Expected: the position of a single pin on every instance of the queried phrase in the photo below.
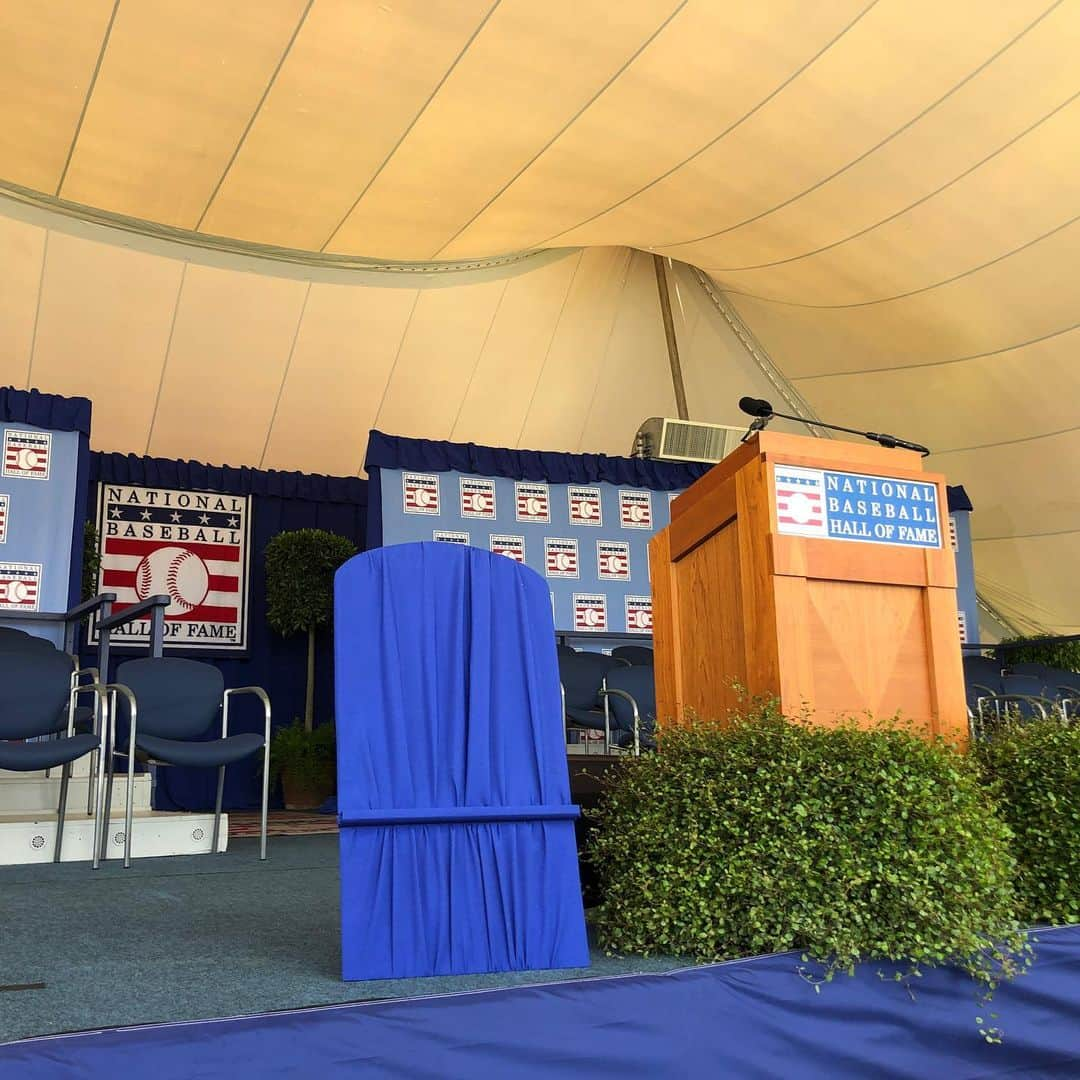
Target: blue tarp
(747, 1020)
(457, 834)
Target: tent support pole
(669, 332)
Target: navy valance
(430, 455)
(195, 476)
(49, 411)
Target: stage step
(30, 838)
(33, 793)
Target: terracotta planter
(305, 793)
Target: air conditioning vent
(666, 439)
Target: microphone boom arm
(891, 442)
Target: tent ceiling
(885, 190)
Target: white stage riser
(31, 793)
(26, 840)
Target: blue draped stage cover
(457, 834)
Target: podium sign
(853, 506)
(813, 571)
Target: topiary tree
(91, 560)
(300, 569)
(766, 834)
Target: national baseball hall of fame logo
(191, 546)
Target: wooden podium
(819, 572)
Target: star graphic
(233, 522)
(204, 519)
(145, 515)
(175, 515)
(114, 512)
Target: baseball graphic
(423, 498)
(800, 508)
(27, 458)
(532, 506)
(636, 512)
(16, 592)
(481, 502)
(562, 561)
(177, 573)
(592, 617)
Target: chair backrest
(982, 669)
(34, 689)
(638, 655)
(565, 650)
(1032, 685)
(639, 683)
(12, 639)
(1025, 667)
(581, 676)
(1057, 681)
(177, 699)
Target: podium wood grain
(839, 628)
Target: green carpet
(193, 937)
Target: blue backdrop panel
(392, 520)
(457, 833)
(746, 1019)
(45, 509)
(280, 501)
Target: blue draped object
(457, 833)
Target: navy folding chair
(167, 706)
(581, 676)
(630, 697)
(982, 669)
(636, 655)
(36, 695)
(81, 717)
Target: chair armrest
(606, 693)
(125, 691)
(99, 692)
(1040, 703)
(259, 692)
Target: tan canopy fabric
(881, 195)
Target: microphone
(762, 411)
(755, 406)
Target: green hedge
(1056, 654)
(768, 834)
(1033, 772)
